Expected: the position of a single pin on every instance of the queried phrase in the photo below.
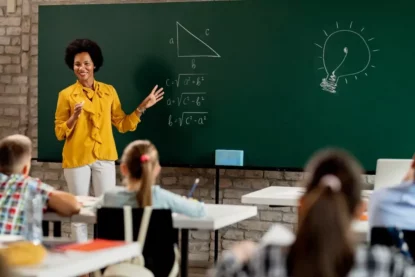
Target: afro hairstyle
(84, 45)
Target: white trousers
(78, 179)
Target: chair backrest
(390, 172)
(158, 250)
(383, 236)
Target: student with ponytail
(324, 245)
(140, 168)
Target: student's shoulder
(117, 190)
(158, 192)
(383, 194)
(37, 182)
(12, 180)
(156, 189)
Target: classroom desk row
(218, 216)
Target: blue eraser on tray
(229, 157)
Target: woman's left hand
(154, 97)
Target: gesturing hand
(154, 97)
(78, 110)
(74, 117)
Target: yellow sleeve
(62, 114)
(119, 119)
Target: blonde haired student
(140, 167)
(324, 245)
(15, 162)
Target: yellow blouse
(91, 137)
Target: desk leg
(217, 202)
(45, 228)
(184, 255)
(57, 229)
(95, 231)
(216, 245)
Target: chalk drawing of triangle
(190, 46)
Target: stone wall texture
(18, 114)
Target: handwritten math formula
(187, 99)
(187, 79)
(189, 92)
(188, 118)
(190, 97)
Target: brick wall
(18, 114)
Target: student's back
(324, 245)
(140, 168)
(14, 191)
(161, 199)
(15, 159)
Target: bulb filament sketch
(341, 47)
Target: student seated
(15, 161)
(324, 245)
(395, 206)
(140, 168)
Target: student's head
(84, 57)
(15, 155)
(140, 167)
(324, 244)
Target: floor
(199, 269)
(197, 272)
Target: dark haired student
(84, 116)
(324, 245)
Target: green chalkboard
(278, 79)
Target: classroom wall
(18, 114)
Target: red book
(93, 245)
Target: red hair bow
(144, 158)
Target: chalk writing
(183, 35)
(188, 98)
(188, 118)
(337, 71)
(187, 79)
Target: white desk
(75, 263)
(280, 196)
(274, 196)
(289, 196)
(218, 216)
(361, 230)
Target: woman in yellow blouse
(84, 117)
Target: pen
(193, 188)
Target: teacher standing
(84, 116)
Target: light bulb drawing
(336, 70)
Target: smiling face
(83, 68)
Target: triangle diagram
(190, 46)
